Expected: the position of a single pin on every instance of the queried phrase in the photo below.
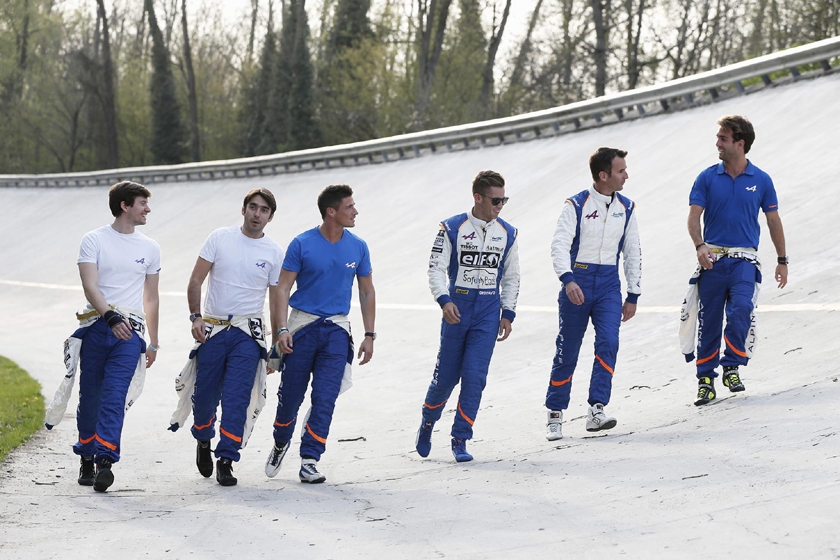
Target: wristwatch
(371, 334)
(783, 260)
(194, 316)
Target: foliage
(21, 406)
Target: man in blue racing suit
(474, 276)
(594, 228)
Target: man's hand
(365, 350)
(574, 293)
(198, 330)
(451, 314)
(781, 275)
(705, 257)
(151, 356)
(628, 311)
(505, 327)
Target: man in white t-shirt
(120, 270)
(231, 351)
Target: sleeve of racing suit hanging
(510, 282)
(439, 267)
(633, 260)
(561, 243)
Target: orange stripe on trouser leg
(559, 383)
(85, 441)
(603, 363)
(740, 353)
(707, 358)
(469, 420)
(110, 446)
(230, 435)
(313, 434)
(279, 425)
(207, 425)
(434, 405)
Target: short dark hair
(602, 160)
(125, 191)
(331, 197)
(740, 128)
(266, 194)
(485, 180)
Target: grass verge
(21, 406)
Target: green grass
(21, 406)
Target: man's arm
(704, 254)
(777, 235)
(509, 285)
(90, 285)
(439, 276)
(632, 268)
(151, 306)
(281, 309)
(561, 246)
(367, 299)
(200, 271)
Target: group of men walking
(473, 275)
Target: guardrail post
(619, 113)
(466, 143)
(794, 71)
(689, 98)
(825, 65)
(766, 79)
(714, 93)
(385, 155)
(501, 138)
(740, 87)
(448, 145)
(416, 149)
(641, 109)
(664, 104)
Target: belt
(213, 321)
(734, 252)
(89, 314)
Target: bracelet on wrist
(696, 247)
(783, 260)
(152, 348)
(282, 330)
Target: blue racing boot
(459, 450)
(423, 443)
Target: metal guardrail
(682, 93)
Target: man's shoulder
(756, 171)
(579, 199)
(627, 202)
(454, 222)
(510, 228)
(306, 235)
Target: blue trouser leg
(739, 308)
(327, 373)
(573, 322)
(447, 370)
(107, 367)
(478, 349)
(711, 288)
(294, 381)
(243, 355)
(606, 319)
(209, 373)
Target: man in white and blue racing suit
(474, 276)
(594, 228)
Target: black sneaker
(104, 477)
(224, 472)
(203, 459)
(732, 380)
(87, 471)
(705, 391)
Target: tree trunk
(109, 106)
(193, 98)
(634, 33)
(431, 44)
(600, 10)
(255, 6)
(487, 81)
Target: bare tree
(193, 98)
(487, 81)
(431, 27)
(600, 19)
(108, 97)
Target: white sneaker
(596, 420)
(309, 472)
(275, 458)
(554, 427)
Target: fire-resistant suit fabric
(475, 265)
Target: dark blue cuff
(173, 427)
(567, 277)
(444, 299)
(509, 314)
(689, 357)
(632, 298)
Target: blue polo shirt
(730, 218)
(325, 271)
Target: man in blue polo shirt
(728, 196)
(316, 337)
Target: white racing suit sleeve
(439, 265)
(510, 281)
(561, 243)
(688, 320)
(633, 257)
(56, 409)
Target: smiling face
(728, 149)
(257, 214)
(484, 209)
(136, 213)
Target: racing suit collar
(600, 197)
(480, 223)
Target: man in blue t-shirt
(728, 196)
(316, 337)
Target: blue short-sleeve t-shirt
(730, 216)
(325, 271)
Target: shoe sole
(463, 459)
(104, 479)
(608, 425)
(271, 470)
(553, 438)
(227, 482)
(316, 481)
(204, 467)
(736, 389)
(701, 402)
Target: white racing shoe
(596, 420)
(554, 426)
(309, 472)
(275, 459)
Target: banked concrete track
(755, 475)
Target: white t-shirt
(122, 260)
(243, 268)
